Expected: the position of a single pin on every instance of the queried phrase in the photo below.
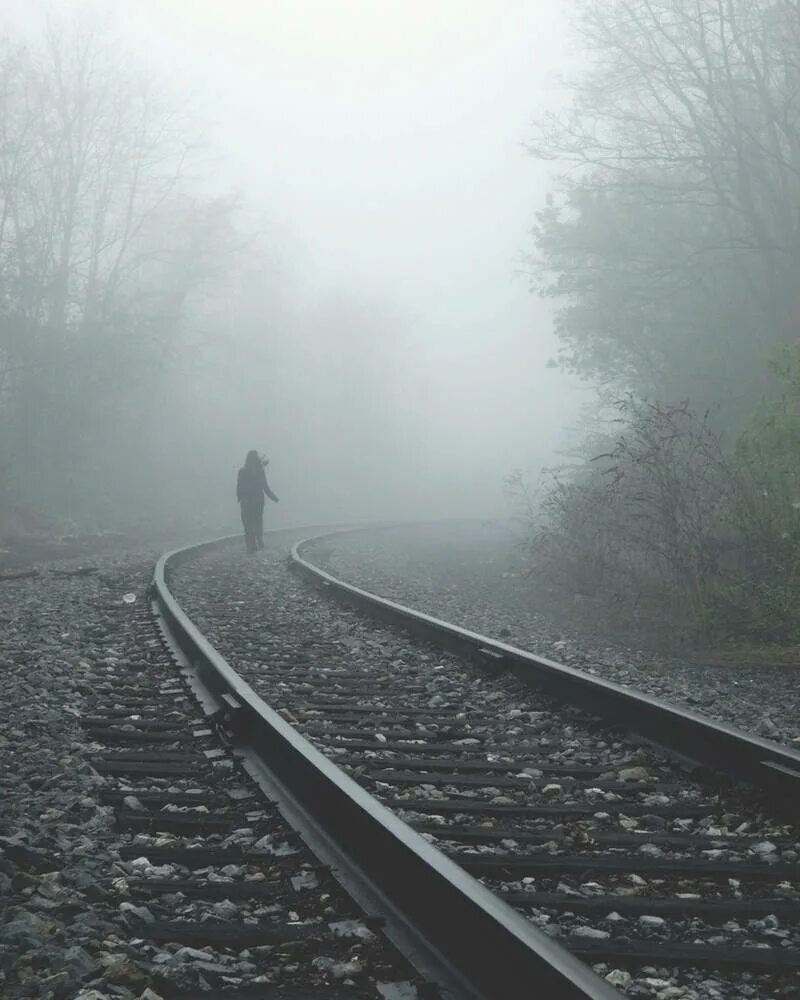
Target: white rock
(344, 970)
(633, 774)
(764, 847)
(590, 932)
(225, 909)
(651, 850)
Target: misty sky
(381, 143)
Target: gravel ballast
(59, 930)
(75, 921)
(472, 574)
(271, 626)
(63, 933)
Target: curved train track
(381, 818)
(218, 886)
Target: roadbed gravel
(68, 927)
(473, 574)
(60, 933)
(266, 622)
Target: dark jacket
(251, 485)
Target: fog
(380, 342)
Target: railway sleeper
(149, 768)
(134, 736)
(400, 777)
(206, 857)
(560, 864)
(711, 911)
(115, 721)
(229, 935)
(742, 957)
(202, 889)
(179, 822)
(481, 835)
(399, 733)
(189, 797)
(444, 807)
(458, 764)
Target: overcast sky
(383, 142)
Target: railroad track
(462, 941)
(218, 892)
(647, 865)
(370, 816)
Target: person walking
(251, 486)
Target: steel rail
(772, 770)
(452, 929)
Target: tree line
(671, 247)
(105, 249)
(153, 328)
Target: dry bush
(672, 533)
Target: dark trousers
(253, 521)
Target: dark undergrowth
(666, 532)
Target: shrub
(672, 531)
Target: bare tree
(677, 230)
(101, 246)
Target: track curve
(765, 765)
(449, 925)
(569, 820)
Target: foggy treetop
(355, 309)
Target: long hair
(252, 463)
